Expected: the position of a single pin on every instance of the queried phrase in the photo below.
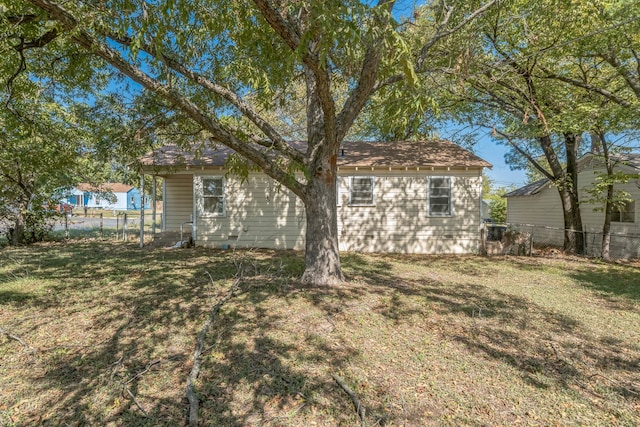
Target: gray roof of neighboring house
(352, 153)
(631, 159)
(529, 189)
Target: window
(361, 190)
(626, 213)
(439, 196)
(213, 196)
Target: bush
(38, 225)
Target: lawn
(103, 333)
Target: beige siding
(542, 209)
(259, 213)
(545, 209)
(178, 200)
(593, 220)
(398, 222)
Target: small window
(361, 190)
(213, 196)
(439, 196)
(626, 213)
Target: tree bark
(571, 142)
(17, 234)
(608, 206)
(567, 184)
(606, 227)
(322, 257)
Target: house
(539, 204)
(113, 196)
(409, 197)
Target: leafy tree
(506, 80)
(39, 155)
(221, 64)
(603, 193)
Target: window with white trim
(440, 196)
(626, 213)
(361, 190)
(213, 201)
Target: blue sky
(501, 174)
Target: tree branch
(111, 56)
(360, 410)
(525, 154)
(277, 141)
(366, 82)
(322, 84)
(632, 81)
(442, 33)
(197, 354)
(588, 86)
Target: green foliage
(498, 209)
(598, 191)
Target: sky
(501, 174)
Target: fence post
(66, 226)
(124, 227)
(531, 241)
(101, 226)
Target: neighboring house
(539, 204)
(411, 197)
(113, 196)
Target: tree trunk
(608, 205)
(606, 227)
(322, 257)
(17, 234)
(566, 182)
(571, 142)
(573, 235)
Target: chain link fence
(528, 239)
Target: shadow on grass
(149, 306)
(549, 348)
(611, 281)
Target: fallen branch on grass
(16, 338)
(192, 396)
(356, 402)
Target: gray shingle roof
(630, 159)
(529, 189)
(352, 153)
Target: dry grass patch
(108, 332)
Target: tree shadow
(272, 349)
(612, 282)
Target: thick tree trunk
(567, 183)
(322, 257)
(574, 228)
(573, 235)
